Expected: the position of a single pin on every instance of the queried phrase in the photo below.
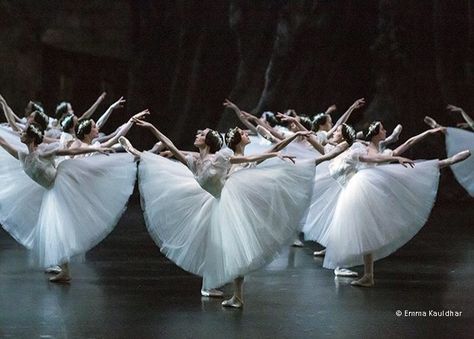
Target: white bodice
(346, 164)
(211, 172)
(39, 168)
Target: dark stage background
(181, 59)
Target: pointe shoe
(297, 243)
(233, 302)
(61, 278)
(53, 270)
(458, 157)
(321, 253)
(431, 122)
(128, 147)
(365, 281)
(212, 293)
(344, 272)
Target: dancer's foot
(53, 270)
(458, 157)
(431, 122)
(366, 281)
(344, 272)
(297, 243)
(321, 253)
(61, 278)
(213, 293)
(129, 148)
(234, 302)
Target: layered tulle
(458, 140)
(20, 200)
(85, 203)
(380, 209)
(222, 238)
(323, 203)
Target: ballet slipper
(233, 302)
(458, 157)
(366, 281)
(61, 278)
(344, 272)
(321, 253)
(297, 243)
(212, 293)
(53, 270)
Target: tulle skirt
(323, 203)
(20, 200)
(84, 204)
(458, 140)
(220, 239)
(258, 145)
(379, 210)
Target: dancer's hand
(358, 103)
(405, 162)
(454, 109)
(462, 125)
(118, 104)
(102, 96)
(140, 115)
(331, 109)
(143, 123)
(287, 157)
(229, 104)
(287, 118)
(166, 154)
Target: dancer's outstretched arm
(382, 158)
(227, 103)
(466, 117)
(258, 157)
(333, 153)
(282, 144)
(168, 143)
(9, 148)
(417, 138)
(310, 137)
(87, 114)
(9, 115)
(77, 151)
(103, 119)
(357, 104)
(125, 128)
(263, 124)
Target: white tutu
(20, 200)
(323, 203)
(258, 145)
(222, 238)
(458, 140)
(84, 205)
(75, 213)
(379, 209)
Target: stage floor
(127, 289)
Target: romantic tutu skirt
(221, 238)
(378, 210)
(82, 206)
(458, 140)
(323, 203)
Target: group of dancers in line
(227, 209)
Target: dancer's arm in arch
(357, 104)
(87, 114)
